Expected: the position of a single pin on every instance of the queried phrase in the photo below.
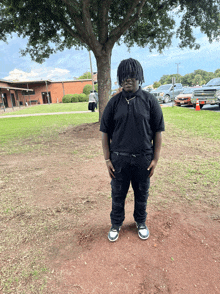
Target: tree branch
(81, 32)
(86, 17)
(127, 22)
(72, 33)
(69, 4)
(103, 20)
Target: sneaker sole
(114, 239)
(144, 238)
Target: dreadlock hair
(130, 68)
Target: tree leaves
(98, 24)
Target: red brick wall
(3, 84)
(56, 89)
(5, 91)
(59, 89)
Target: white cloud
(39, 73)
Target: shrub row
(70, 98)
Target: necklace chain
(129, 99)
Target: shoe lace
(142, 227)
(114, 230)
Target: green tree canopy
(167, 79)
(86, 75)
(217, 72)
(87, 89)
(97, 25)
(198, 77)
(197, 80)
(156, 85)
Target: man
(97, 98)
(92, 101)
(131, 128)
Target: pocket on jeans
(148, 158)
(116, 162)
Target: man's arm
(157, 143)
(106, 152)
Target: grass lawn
(48, 108)
(13, 130)
(37, 128)
(195, 123)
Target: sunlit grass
(49, 108)
(198, 123)
(15, 129)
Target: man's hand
(110, 169)
(151, 167)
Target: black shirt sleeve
(107, 122)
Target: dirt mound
(85, 131)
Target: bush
(67, 98)
(82, 98)
(75, 98)
(87, 89)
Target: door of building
(5, 100)
(13, 99)
(46, 97)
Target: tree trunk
(104, 80)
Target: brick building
(38, 92)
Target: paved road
(39, 114)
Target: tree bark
(104, 80)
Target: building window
(25, 93)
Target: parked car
(185, 97)
(147, 89)
(168, 92)
(208, 94)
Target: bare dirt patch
(55, 219)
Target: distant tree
(197, 80)
(86, 75)
(217, 73)
(186, 80)
(167, 79)
(87, 89)
(163, 80)
(156, 85)
(198, 77)
(54, 25)
(207, 76)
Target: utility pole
(91, 70)
(177, 67)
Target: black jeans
(130, 169)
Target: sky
(70, 64)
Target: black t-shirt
(131, 125)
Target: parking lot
(205, 107)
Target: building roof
(4, 81)
(29, 82)
(43, 81)
(14, 88)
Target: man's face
(130, 85)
